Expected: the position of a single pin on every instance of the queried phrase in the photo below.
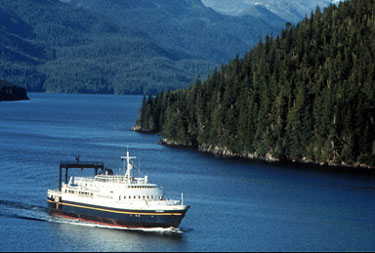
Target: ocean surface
(236, 205)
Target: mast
(129, 166)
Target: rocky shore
(226, 153)
(220, 151)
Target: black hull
(116, 217)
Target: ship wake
(13, 209)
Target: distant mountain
(119, 46)
(185, 27)
(290, 10)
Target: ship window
(124, 197)
(139, 197)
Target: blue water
(235, 205)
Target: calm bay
(236, 205)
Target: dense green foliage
(9, 92)
(112, 46)
(306, 95)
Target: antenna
(129, 165)
(139, 167)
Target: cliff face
(11, 92)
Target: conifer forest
(307, 94)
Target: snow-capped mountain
(290, 10)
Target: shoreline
(223, 152)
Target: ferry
(114, 200)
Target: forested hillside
(306, 95)
(122, 47)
